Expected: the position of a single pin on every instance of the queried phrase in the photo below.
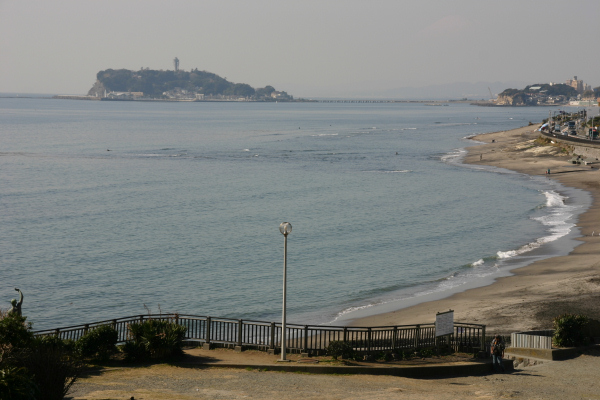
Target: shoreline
(531, 296)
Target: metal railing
(312, 339)
(573, 139)
(533, 339)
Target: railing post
(417, 336)
(208, 323)
(57, 332)
(86, 328)
(482, 338)
(345, 334)
(369, 341)
(272, 344)
(394, 338)
(306, 338)
(206, 345)
(240, 332)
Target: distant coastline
(321, 100)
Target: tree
(241, 89)
(265, 92)
(588, 94)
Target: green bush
(54, 365)
(17, 384)
(41, 368)
(154, 339)
(339, 348)
(134, 351)
(428, 352)
(99, 343)
(569, 330)
(15, 334)
(385, 356)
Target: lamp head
(285, 228)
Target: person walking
(497, 350)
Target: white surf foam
(454, 156)
(557, 220)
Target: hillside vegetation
(549, 90)
(155, 83)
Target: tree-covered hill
(538, 94)
(559, 89)
(155, 83)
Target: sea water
(110, 209)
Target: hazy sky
(307, 48)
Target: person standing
(497, 350)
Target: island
(537, 94)
(573, 92)
(147, 84)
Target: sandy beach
(535, 294)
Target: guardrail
(311, 339)
(572, 139)
(533, 339)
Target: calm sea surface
(109, 206)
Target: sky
(323, 48)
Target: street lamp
(285, 228)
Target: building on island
(280, 95)
(578, 85)
(124, 95)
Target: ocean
(111, 209)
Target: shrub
(134, 351)
(385, 356)
(338, 348)
(445, 350)
(154, 339)
(17, 384)
(15, 334)
(42, 368)
(428, 352)
(99, 343)
(54, 366)
(569, 330)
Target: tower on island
(176, 63)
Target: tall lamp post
(285, 228)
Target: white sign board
(444, 323)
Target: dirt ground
(572, 379)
